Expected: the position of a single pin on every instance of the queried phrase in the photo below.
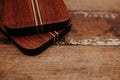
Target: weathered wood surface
(90, 25)
(71, 62)
(61, 63)
(93, 5)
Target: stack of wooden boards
(34, 25)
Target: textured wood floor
(93, 5)
(69, 62)
(61, 63)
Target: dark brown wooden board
(1, 11)
(36, 43)
(19, 17)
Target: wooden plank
(93, 5)
(91, 25)
(94, 25)
(61, 63)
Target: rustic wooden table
(92, 55)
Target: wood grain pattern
(19, 17)
(90, 26)
(53, 11)
(93, 5)
(61, 63)
(1, 12)
(68, 62)
(36, 43)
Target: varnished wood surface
(1, 12)
(1, 8)
(20, 17)
(53, 11)
(19, 13)
(36, 43)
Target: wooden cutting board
(36, 43)
(23, 17)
